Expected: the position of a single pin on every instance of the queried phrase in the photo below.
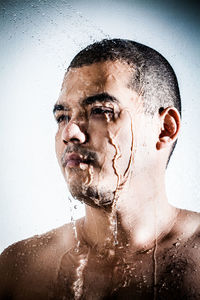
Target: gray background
(38, 40)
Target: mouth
(75, 160)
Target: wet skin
(96, 102)
(44, 267)
(113, 157)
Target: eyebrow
(103, 97)
(58, 107)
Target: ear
(169, 127)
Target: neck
(142, 217)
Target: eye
(61, 118)
(101, 111)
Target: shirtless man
(118, 118)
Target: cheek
(125, 143)
(98, 133)
(59, 145)
(121, 142)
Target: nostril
(74, 140)
(86, 138)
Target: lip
(73, 160)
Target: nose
(73, 133)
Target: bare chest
(146, 276)
(85, 274)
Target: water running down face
(95, 112)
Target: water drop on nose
(176, 244)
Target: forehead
(102, 77)
(101, 71)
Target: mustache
(88, 155)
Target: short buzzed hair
(152, 77)
(152, 74)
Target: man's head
(119, 105)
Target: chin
(92, 195)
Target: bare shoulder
(190, 254)
(188, 245)
(34, 258)
(49, 241)
(190, 222)
(193, 244)
(189, 228)
(184, 245)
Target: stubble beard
(92, 195)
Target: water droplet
(176, 244)
(72, 217)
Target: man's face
(100, 126)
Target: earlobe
(169, 129)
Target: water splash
(73, 221)
(121, 179)
(77, 258)
(113, 217)
(90, 176)
(126, 174)
(70, 278)
(82, 258)
(78, 284)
